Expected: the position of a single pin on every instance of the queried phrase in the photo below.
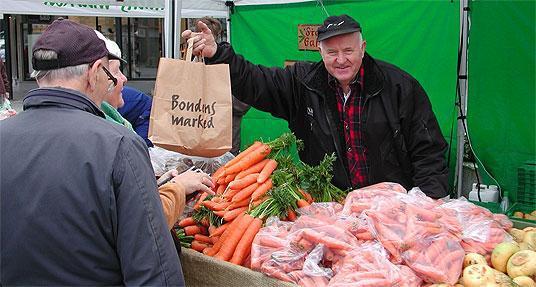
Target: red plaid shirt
(350, 114)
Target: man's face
(114, 97)
(342, 56)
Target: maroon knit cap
(74, 43)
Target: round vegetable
(473, 258)
(501, 253)
(524, 281)
(517, 234)
(522, 263)
(478, 275)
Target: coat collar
(62, 98)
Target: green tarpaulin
(422, 37)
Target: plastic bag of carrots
(269, 239)
(436, 259)
(361, 199)
(368, 265)
(481, 230)
(400, 221)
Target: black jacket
(402, 136)
(79, 202)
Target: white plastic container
(487, 193)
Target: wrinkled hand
(204, 43)
(195, 181)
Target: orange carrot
(241, 203)
(245, 193)
(230, 178)
(202, 238)
(192, 229)
(252, 158)
(219, 230)
(243, 248)
(291, 215)
(221, 189)
(218, 173)
(198, 203)
(211, 229)
(241, 155)
(242, 183)
(216, 199)
(232, 226)
(329, 242)
(271, 241)
(258, 201)
(221, 180)
(306, 195)
(256, 168)
(222, 205)
(302, 203)
(232, 214)
(220, 213)
(209, 204)
(214, 239)
(198, 246)
(186, 222)
(262, 190)
(232, 240)
(267, 171)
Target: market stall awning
(112, 8)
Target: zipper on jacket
(337, 146)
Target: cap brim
(114, 57)
(333, 33)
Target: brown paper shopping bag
(192, 108)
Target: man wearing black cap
(78, 194)
(375, 117)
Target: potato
(526, 246)
(517, 234)
(524, 281)
(501, 253)
(530, 217)
(502, 279)
(522, 263)
(473, 258)
(478, 275)
(530, 239)
(533, 213)
(519, 214)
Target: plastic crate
(526, 185)
(523, 208)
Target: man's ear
(93, 74)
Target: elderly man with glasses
(79, 200)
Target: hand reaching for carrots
(195, 181)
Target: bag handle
(189, 51)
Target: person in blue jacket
(137, 110)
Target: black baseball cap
(74, 43)
(337, 25)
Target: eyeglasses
(110, 76)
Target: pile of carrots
(233, 219)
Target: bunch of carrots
(243, 193)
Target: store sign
(307, 37)
(123, 8)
